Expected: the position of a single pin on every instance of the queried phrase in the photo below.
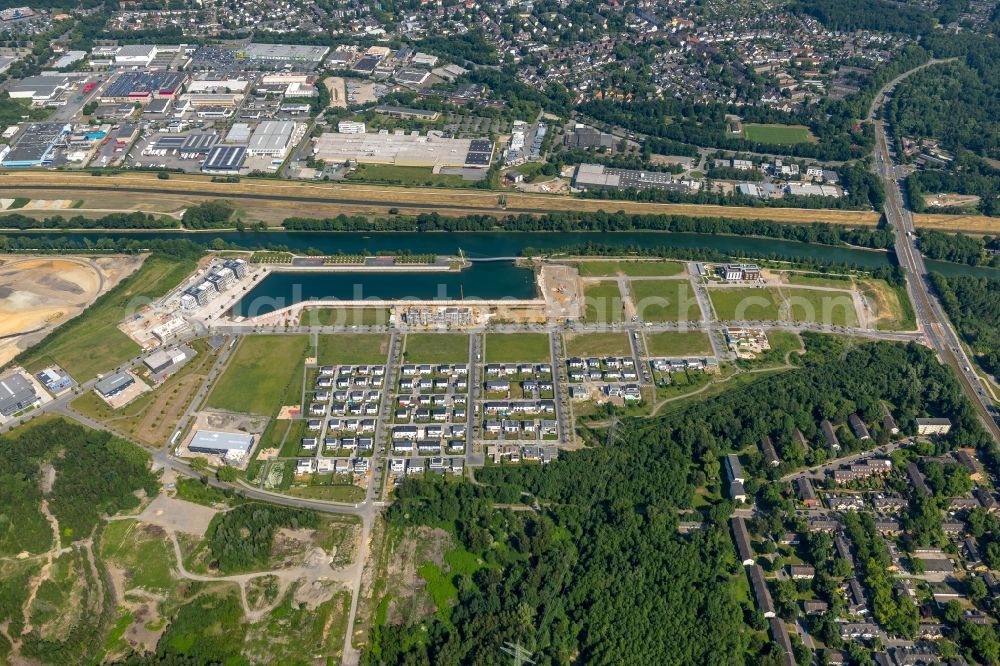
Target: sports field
(517, 348)
(352, 348)
(437, 348)
(777, 134)
(773, 304)
(91, 343)
(665, 300)
(597, 344)
(685, 343)
(263, 372)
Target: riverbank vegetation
(959, 248)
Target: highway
(931, 319)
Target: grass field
(772, 304)
(405, 175)
(665, 300)
(981, 224)
(437, 348)
(777, 134)
(345, 317)
(340, 492)
(597, 344)
(892, 305)
(142, 550)
(604, 302)
(261, 374)
(282, 202)
(517, 347)
(352, 348)
(687, 343)
(630, 268)
(91, 343)
(817, 280)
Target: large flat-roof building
(142, 87)
(403, 149)
(36, 146)
(312, 55)
(40, 89)
(225, 160)
(272, 138)
(114, 384)
(16, 394)
(135, 55)
(221, 443)
(600, 177)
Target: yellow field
(375, 198)
(973, 224)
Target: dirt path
(43, 574)
(315, 569)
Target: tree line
(973, 304)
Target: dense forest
(959, 248)
(241, 539)
(816, 232)
(208, 215)
(881, 15)
(968, 174)
(597, 573)
(973, 304)
(95, 473)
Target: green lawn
(352, 348)
(517, 347)
(665, 300)
(598, 344)
(630, 268)
(265, 371)
(782, 342)
(341, 492)
(345, 317)
(777, 134)
(604, 302)
(798, 305)
(91, 343)
(405, 175)
(437, 348)
(686, 343)
(818, 280)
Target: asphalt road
(931, 319)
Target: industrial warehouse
(401, 149)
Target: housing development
(592, 332)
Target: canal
(483, 280)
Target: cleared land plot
(630, 268)
(665, 300)
(782, 343)
(92, 343)
(598, 344)
(796, 305)
(604, 302)
(517, 347)
(687, 343)
(260, 374)
(152, 416)
(893, 309)
(345, 317)
(142, 551)
(437, 348)
(352, 348)
(778, 134)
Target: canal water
(484, 279)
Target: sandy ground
(338, 92)
(177, 515)
(39, 293)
